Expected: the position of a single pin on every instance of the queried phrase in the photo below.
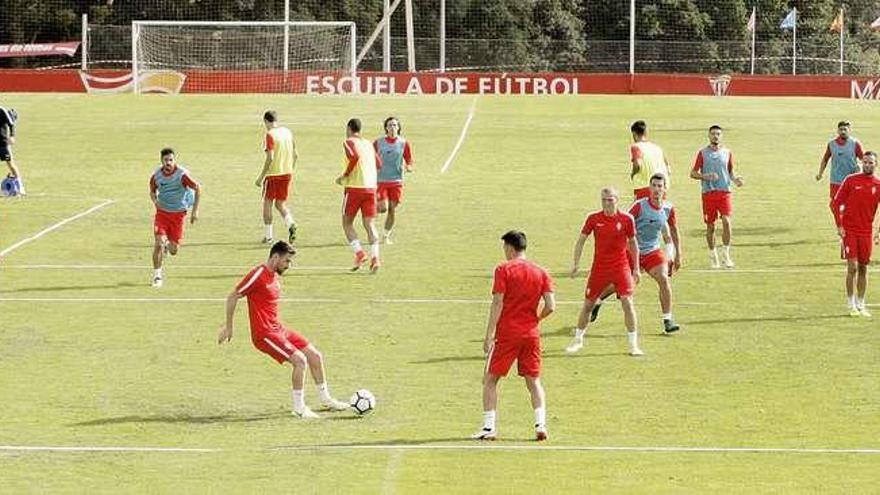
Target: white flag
(790, 19)
(876, 24)
(751, 24)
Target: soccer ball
(362, 401)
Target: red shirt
(523, 283)
(612, 233)
(858, 196)
(262, 288)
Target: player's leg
(316, 367)
(861, 288)
(852, 268)
(368, 216)
(267, 219)
(490, 403)
(710, 213)
(594, 313)
(536, 392)
(298, 383)
(389, 220)
(350, 208)
(284, 211)
(580, 331)
(631, 321)
(726, 228)
(158, 252)
(529, 366)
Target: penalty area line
(467, 124)
(582, 448)
(86, 449)
(54, 227)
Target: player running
(652, 216)
(855, 205)
(647, 159)
(513, 332)
(844, 152)
(616, 245)
(396, 155)
(262, 287)
(8, 117)
(359, 180)
(168, 191)
(277, 174)
(714, 168)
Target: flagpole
(841, 40)
(754, 28)
(794, 44)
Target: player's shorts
(834, 188)
(392, 191)
(363, 200)
(525, 351)
(170, 224)
(715, 204)
(279, 344)
(858, 247)
(5, 153)
(651, 260)
(276, 187)
(600, 279)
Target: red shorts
(858, 247)
(599, 280)
(392, 191)
(715, 204)
(834, 188)
(280, 344)
(276, 187)
(169, 224)
(649, 261)
(359, 199)
(525, 351)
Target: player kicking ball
(262, 287)
(513, 332)
(169, 190)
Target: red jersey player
(262, 288)
(616, 245)
(513, 332)
(855, 206)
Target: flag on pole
(837, 23)
(790, 19)
(751, 24)
(876, 24)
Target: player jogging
(713, 167)
(8, 117)
(513, 331)
(277, 174)
(653, 215)
(168, 191)
(844, 152)
(647, 159)
(359, 180)
(855, 205)
(616, 245)
(396, 156)
(262, 287)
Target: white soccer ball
(362, 401)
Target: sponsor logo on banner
(39, 49)
(869, 91)
(409, 84)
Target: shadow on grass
(760, 320)
(184, 418)
(58, 288)
(450, 359)
(403, 442)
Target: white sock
(850, 301)
(725, 251)
(299, 400)
(579, 333)
(288, 219)
(374, 249)
(356, 246)
(667, 316)
(860, 304)
(633, 338)
(323, 391)
(269, 231)
(157, 273)
(388, 233)
(488, 420)
(540, 417)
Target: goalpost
(242, 57)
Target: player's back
(652, 161)
(523, 285)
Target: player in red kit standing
(855, 206)
(615, 264)
(513, 332)
(262, 288)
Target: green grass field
(92, 356)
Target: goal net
(243, 57)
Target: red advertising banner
(39, 49)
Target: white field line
(473, 447)
(467, 124)
(54, 227)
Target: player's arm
(231, 302)
(668, 166)
(408, 158)
(737, 179)
(824, 162)
(632, 246)
(494, 315)
(266, 164)
(578, 252)
(672, 224)
(549, 305)
(154, 189)
(838, 201)
(197, 189)
(697, 170)
(352, 157)
(9, 123)
(295, 154)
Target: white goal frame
(353, 55)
